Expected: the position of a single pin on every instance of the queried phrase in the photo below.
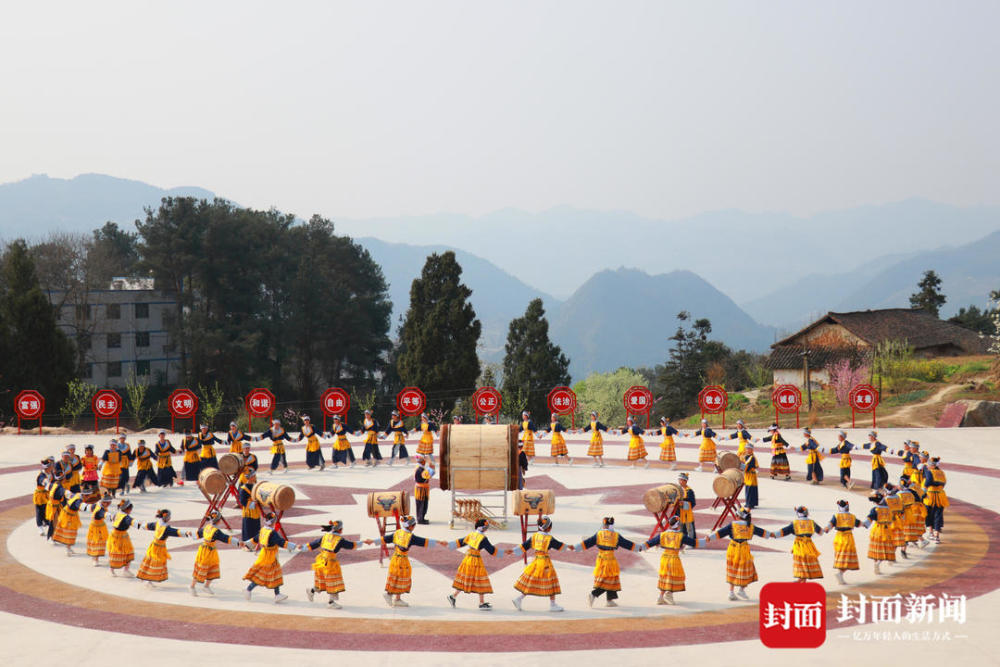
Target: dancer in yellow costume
(607, 573)
(845, 553)
(342, 452)
(120, 551)
(398, 431)
(843, 447)
(69, 523)
(668, 449)
(165, 473)
(558, 447)
(740, 570)
(671, 573)
(472, 576)
(636, 446)
(206, 561)
(527, 428)
(706, 451)
(427, 429)
(741, 435)
(914, 512)
(314, 453)
(539, 577)
(895, 503)
(369, 426)
(97, 532)
(236, 437)
(111, 468)
(936, 499)
(805, 555)
(154, 566)
(596, 448)
(266, 570)
(881, 546)
(400, 573)
(277, 435)
(327, 575)
(779, 453)
(40, 497)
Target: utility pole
(805, 373)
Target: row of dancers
(902, 514)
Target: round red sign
(638, 400)
(562, 400)
(411, 401)
(786, 398)
(863, 398)
(106, 404)
(182, 403)
(335, 401)
(29, 404)
(260, 402)
(713, 399)
(487, 400)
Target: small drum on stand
(211, 482)
(278, 497)
(388, 503)
(728, 483)
(727, 461)
(663, 502)
(230, 464)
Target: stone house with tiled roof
(855, 335)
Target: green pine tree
(532, 365)
(929, 297)
(439, 335)
(36, 354)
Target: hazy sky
(381, 108)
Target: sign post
(562, 401)
(335, 401)
(712, 400)
(29, 404)
(787, 399)
(106, 404)
(863, 398)
(638, 400)
(260, 402)
(410, 401)
(183, 404)
(487, 401)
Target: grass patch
(903, 399)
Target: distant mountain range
(968, 274)
(37, 205)
(781, 269)
(746, 255)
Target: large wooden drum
(211, 481)
(230, 464)
(658, 499)
(279, 497)
(727, 483)
(480, 456)
(725, 461)
(382, 503)
(534, 502)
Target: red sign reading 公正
(182, 404)
(106, 404)
(863, 398)
(713, 400)
(29, 404)
(786, 399)
(792, 615)
(487, 401)
(411, 401)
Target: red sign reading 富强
(29, 404)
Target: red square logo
(793, 615)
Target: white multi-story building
(120, 330)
